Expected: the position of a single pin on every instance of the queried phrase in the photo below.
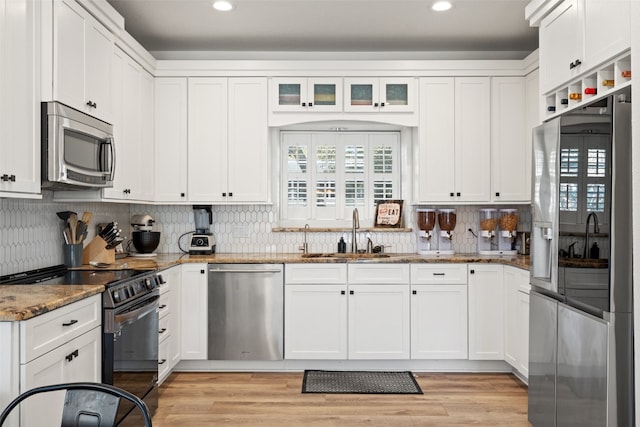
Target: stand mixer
(202, 241)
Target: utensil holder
(97, 251)
(72, 255)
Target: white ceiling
(373, 26)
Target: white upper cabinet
(579, 35)
(510, 142)
(170, 124)
(19, 99)
(227, 140)
(386, 95)
(82, 51)
(455, 139)
(302, 94)
(133, 130)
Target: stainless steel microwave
(78, 150)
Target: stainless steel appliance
(246, 312)
(77, 150)
(202, 241)
(129, 323)
(581, 314)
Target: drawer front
(50, 330)
(164, 308)
(163, 328)
(439, 274)
(321, 273)
(163, 361)
(384, 274)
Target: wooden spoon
(73, 223)
(87, 217)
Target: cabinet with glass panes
(291, 94)
(387, 95)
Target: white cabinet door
(437, 139)
(560, 45)
(523, 325)
(379, 95)
(19, 98)
(133, 130)
(82, 49)
(472, 139)
(438, 321)
(511, 317)
(173, 279)
(486, 312)
(315, 322)
(194, 312)
(207, 139)
(455, 143)
(170, 130)
(379, 317)
(607, 29)
(79, 360)
(312, 95)
(248, 160)
(510, 144)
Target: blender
(487, 244)
(508, 225)
(426, 223)
(446, 222)
(202, 241)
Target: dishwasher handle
(275, 270)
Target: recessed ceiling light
(222, 5)
(441, 6)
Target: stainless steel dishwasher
(246, 313)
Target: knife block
(97, 251)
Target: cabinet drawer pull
(163, 306)
(438, 274)
(71, 322)
(71, 355)
(162, 331)
(162, 362)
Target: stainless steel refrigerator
(581, 309)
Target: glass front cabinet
(302, 94)
(397, 94)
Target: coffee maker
(202, 241)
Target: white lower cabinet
(169, 314)
(75, 361)
(330, 317)
(193, 312)
(486, 312)
(63, 345)
(516, 325)
(439, 311)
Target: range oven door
(131, 355)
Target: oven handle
(139, 313)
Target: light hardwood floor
(275, 399)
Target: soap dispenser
(594, 253)
(342, 246)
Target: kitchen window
(584, 178)
(328, 174)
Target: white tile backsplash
(31, 232)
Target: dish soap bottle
(342, 246)
(594, 253)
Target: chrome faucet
(355, 225)
(369, 244)
(596, 230)
(305, 246)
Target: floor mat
(361, 382)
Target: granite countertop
(21, 302)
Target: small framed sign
(388, 214)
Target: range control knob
(116, 296)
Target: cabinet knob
(304, 104)
(342, 292)
(201, 271)
(12, 178)
(4, 177)
(230, 194)
(311, 104)
(472, 272)
(414, 292)
(375, 104)
(458, 194)
(451, 194)
(382, 104)
(351, 292)
(224, 194)
(182, 194)
(497, 194)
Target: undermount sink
(346, 256)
